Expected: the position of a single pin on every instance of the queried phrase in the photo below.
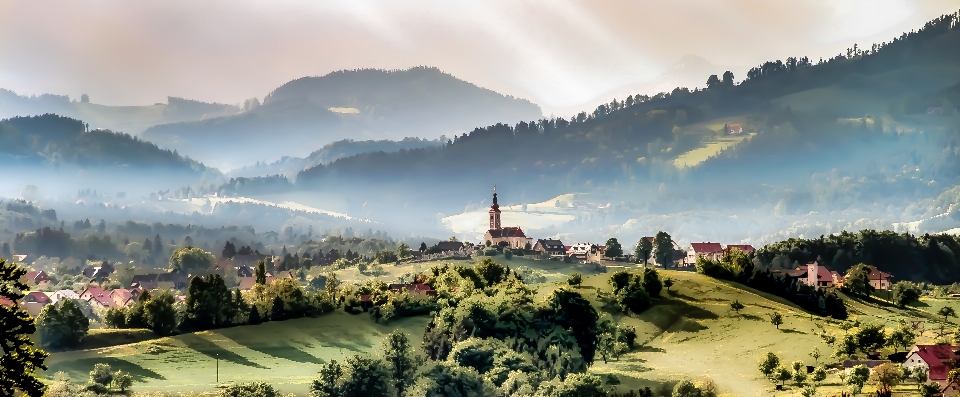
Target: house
(414, 289)
(745, 248)
(952, 389)
(247, 283)
(734, 129)
(123, 297)
(553, 248)
(24, 258)
(878, 279)
(819, 276)
(934, 359)
(36, 278)
(579, 250)
(707, 250)
(510, 236)
(63, 294)
(871, 364)
(37, 297)
(449, 246)
(92, 291)
(101, 300)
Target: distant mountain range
(364, 104)
(290, 166)
(128, 119)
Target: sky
(564, 55)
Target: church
(511, 235)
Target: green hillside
(691, 333)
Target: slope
(358, 104)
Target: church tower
(495, 212)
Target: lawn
(711, 147)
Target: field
(712, 147)
(692, 333)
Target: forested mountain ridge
(356, 104)
(57, 140)
(129, 119)
(290, 166)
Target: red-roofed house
(819, 276)
(879, 280)
(706, 250)
(934, 359)
(247, 283)
(37, 297)
(124, 297)
(36, 278)
(102, 300)
(92, 291)
(952, 389)
(745, 248)
(414, 289)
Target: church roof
(509, 231)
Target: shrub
(255, 389)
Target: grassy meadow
(690, 334)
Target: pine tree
(261, 273)
(158, 245)
(254, 318)
(148, 245)
(277, 313)
(21, 360)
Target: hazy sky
(563, 55)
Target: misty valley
(794, 231)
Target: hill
(131, 119)
(59, 154)
(357, 104)
(691, 333)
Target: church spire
(495, 212)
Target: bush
(634, 299)
(255, 389)
(905, 292)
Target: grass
(712, 147)
(286, 354)
(691, 333)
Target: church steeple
(495, 212)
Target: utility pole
(217, 355)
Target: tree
(819, 374)
(101, 375)
(768, 364)
(62, 324)
(365, 377)
(445, 379)
(799, 373)
(946, 312)
(491, 272)
(663, 249)
(20, 360)
(261, 273)
(713, 81)
(254, 317)
(229, 250)
(277, 311)
(650, 282)
(668, 282)
(643, 249)
(404, 251)
(208, 303)
(727, 79)
(902, 337)
(327, 382)
(929, 389)
(160, 314)
(189, 260)
(887, 375)
(857, 280)
(857, 378)
(157, 245)
(736, 306)
(575, 280)
(782, 375)
(871, 337)
(815, 354)
(121, 381)
(776, 319)
(904, 293)
(423, 247)
(397, 352)
(685, 388)
(613, 248)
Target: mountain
(130, 119)
(358, 104)
(290, 166)
(862, 140)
